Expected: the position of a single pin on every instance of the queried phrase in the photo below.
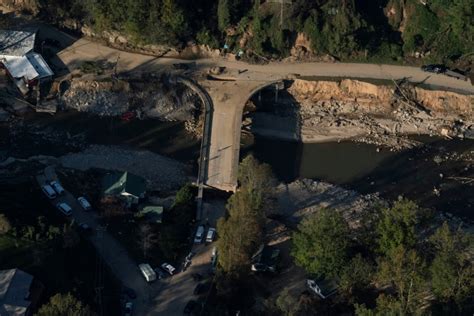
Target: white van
(147, 272)
(199, 235)
(49, 191)
(211, 234)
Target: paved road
(114, 255)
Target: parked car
(84, 203)
(49, 191)
(64, 208)
(147, 272)
(57, 187)
(129, 292)
(190, 307)
(128, 309)
(437, 69)
(199, 235)
(168, 268)
(211, 234)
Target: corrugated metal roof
(16, 43)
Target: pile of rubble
(150, 99)
(384, 115)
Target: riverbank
(380, 114)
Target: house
(19, 293)
(323, 287)
(152, 213)
(127, 186)
(23, 64)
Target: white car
(57, 187)
(64, 208)
(49, 191)
(84, 203)
(211, 234)
(128, 309)
(168, 268)
(199, 235)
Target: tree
(406, 272)
(397, 226)
(70, 236)
(184, 196)
(223, 15)
(241, 232)
(64, 304)
(5, 225)
(287, 303)
(452, 271)
(173, 17)
(321, 243)
(357, 275)
(147, 239)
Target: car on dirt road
(57, 187)
(211, 234)
(84, 203)
(64, 208)
(49, 191)
(168, 268)
(199, 235)
(437, 69)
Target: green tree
(184, 196)
(287, 303)
(240, 233)
(223, 15)
(64, 304)
(355, 276)
(406, 272)
(321, 243)
(5, 225)
(397, 226)
(452, 271)
(173, 17)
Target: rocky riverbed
(381, 114)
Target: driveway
(116, 257)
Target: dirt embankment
(381, 114)
(144, 98)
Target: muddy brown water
(414, 173)
(442, 165)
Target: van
(147, 272)
(49, 191)
(199, 235)
(211, 234)
(64, 208)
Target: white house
(23, 64)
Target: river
(433, 174)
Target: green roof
(117, 183)
(152, 213)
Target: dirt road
(85, 50)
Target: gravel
(161, 173)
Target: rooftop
(14, 292)
(16, 43)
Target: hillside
(414, 31)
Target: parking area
(167, 296)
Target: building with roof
(323, 287)
(18, 292)
(17, 55)
(127, 186)
(152, 213)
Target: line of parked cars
(54, 189)
(211, 235)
